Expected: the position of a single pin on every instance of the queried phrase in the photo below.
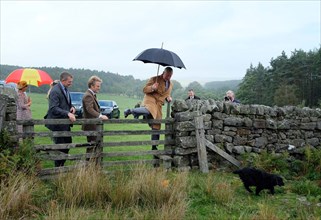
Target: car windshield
(76, 97)
(106, 103)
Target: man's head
(66, 79)
(167, 74)
(191, 92)
(230, 95)
(94, 83)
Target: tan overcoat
(154, 100)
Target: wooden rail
(50, 152)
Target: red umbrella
(31, 76)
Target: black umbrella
(160, 56)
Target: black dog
(260, 179)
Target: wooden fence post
(168, 110)
(29, 130)
(168, 127)
(201, 148)
(99, 143)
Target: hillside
(222, 85)
(112, 83)
(121, 85)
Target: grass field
(40, 103)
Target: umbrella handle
(158, 64)
(157, 72)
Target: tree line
(293, 80)
(118, 84)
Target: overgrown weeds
(219, 189)
(287, 165)
(14, 159)
(86, 186)
(16, 196)
(144, 190)
(268, 161)
(265, 211)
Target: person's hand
(72, 110)
(155, 86)
(71, 117)
(169, 99)
(104, 117)
(29, 101)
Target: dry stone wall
(8, 111)
(240, 129)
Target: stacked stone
(8, 111)
(243, 128)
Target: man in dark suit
(191, 95)
(60, 107)
(91, 108)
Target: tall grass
(86, 186)
(16, 196)
(64, 211)
(148, 192)
(265, 212)
(219, 189)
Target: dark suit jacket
(91, 109)
(59, 107)
(195, 97)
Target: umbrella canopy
(31, 76)
(160, 56)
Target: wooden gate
(132, 150)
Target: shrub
(268, 161)
(13, 159)
(312, 165)
(306, 187)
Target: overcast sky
(216, 40)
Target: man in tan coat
(91, 108)
(157, 90)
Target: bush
(306, 188)
(13, 159)
(288, 166)
(312, 165)
(268, 161)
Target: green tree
(252, 88)
(286, 95)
